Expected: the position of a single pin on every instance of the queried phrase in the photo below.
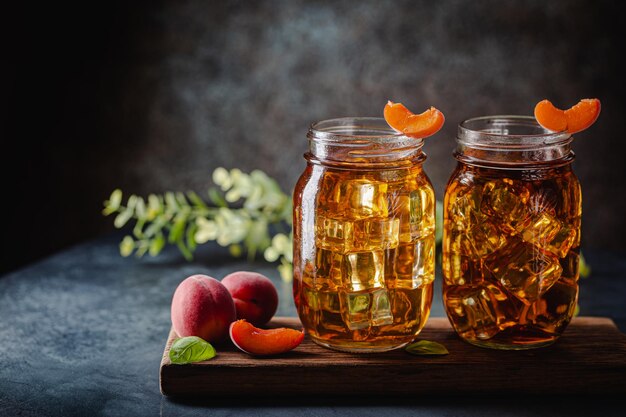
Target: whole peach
(203, 307)
(255, 296)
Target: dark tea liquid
(510, 254)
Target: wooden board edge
(170, 373)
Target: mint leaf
(191, 349)
(426, 348)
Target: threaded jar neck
(511, 142)
(361, 141)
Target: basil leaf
(426, 348)
(191, 349)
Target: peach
(255, 296)
(203, 307)
(264, 342)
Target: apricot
(414, 125)
(261, 342)
(203, 307)
(573, 120)
(255, 296)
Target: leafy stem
(240, 213)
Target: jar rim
(362, 140)
(346, 130)
(508, 132)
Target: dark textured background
(150, 96)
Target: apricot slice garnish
(262, 342)
(414, 125)
(573, 120)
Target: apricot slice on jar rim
(573, 120)
(413, 125)
(261, 342)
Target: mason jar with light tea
(364, 236)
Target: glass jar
(511, 238)
(364, 243)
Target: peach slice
(262, 342)
(573, 120)
(414, 125)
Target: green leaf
(196, 200)
(155, 227)
(127, 246)
(178, 229)
(140, 209)
(156, 245)
(155, 207)
(583, 267)
(170, 201)
(132, 202)
(426, 348)
(216, 198)
(142, 248)
(235, 250)
(138, 229)
(192, 228)
(115, 199)
(122, 218)
(181, 199)
(191, 349)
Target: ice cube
(482, 239)
(415, 263)
(401, 211)
(356, 309)
(374, 234)
(381, 308)
(407, 306)
(563, 240)
(524, 269)
(328, 273)
(363, 270)
(553, 311)
(361, 198)
(330, 317)
(465, 208)
(507, 201)
(422, 212)
(539, 229)
(333, 234)
(478, 311)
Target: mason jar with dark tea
(511, 239)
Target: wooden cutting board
(589, 358)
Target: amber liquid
(510, 254)
(364, 258)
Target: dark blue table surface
(82, 333)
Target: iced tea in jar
(364, 242)
(512, 212)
